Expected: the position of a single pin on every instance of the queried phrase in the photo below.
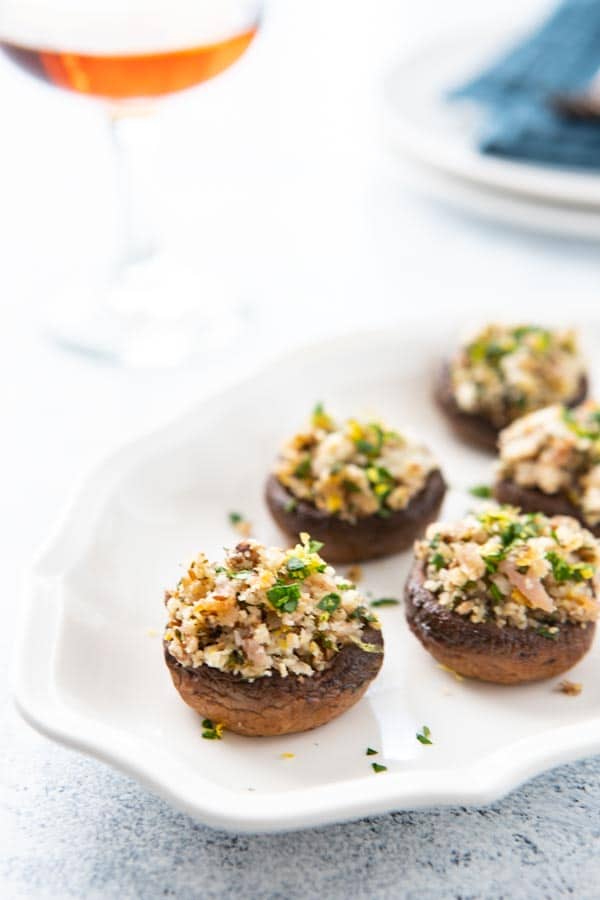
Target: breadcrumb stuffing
(503, 371)
(265, 610)
(526, 571)
(571, 688)
(556, 450)
(353, 469)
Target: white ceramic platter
(424, 126)
(90, 671)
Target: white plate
(424, 126)
(91, 676)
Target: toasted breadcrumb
(353, 469)
(265, 610)
(555, 450)
(354, 574)
(503, 371)
(570, 688)
(522, 570)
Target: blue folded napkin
(560, 57)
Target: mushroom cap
(505, 655)
(534, 500)
(476, 428)
(369, 537)
(273, 705)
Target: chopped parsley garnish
(497, 595)
(303, 469)
(377, 767)
(329, 603)
(365, 447)
(592, 432)
(320, 419)
(371, 752)
(437, 561)
(235, 518)
(240, 575)
(314, 546)
(481, 490)
(424, 736)
(492, 561)
(237, 657)
(295, 565)
(211, 731)
(361, 612)
(291, 505)
(564, 571)
(284, 597)
(545, 632)
(385, 601)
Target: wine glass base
(146, 319)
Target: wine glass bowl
(122, 53)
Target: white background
(276, 171)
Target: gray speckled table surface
(71, 827)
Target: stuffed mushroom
(363, 489)
(504, 596)
(550, 461)
(270, 642)
(505, 371)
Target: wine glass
(128, 56)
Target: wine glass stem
(133, 142)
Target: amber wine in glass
(130, 54)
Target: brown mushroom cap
(534, 500)
(475, 428)
(273, 705)
(505, 655)
(369, 537)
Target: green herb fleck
(437, 561)
(377, 767)
(211, 731)
(240, 575)
(424, 736)
(291, 505)
(497, 595)
(365, 447)
(284, 597)
(385, 601)
(491, 561)
(314, 546)
(563, 571)
(371, 752)
(329, 603)
(546, 633)
(481, 490)
(361, 612)
(303, 468)
(235, 518)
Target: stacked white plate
(440, 139)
